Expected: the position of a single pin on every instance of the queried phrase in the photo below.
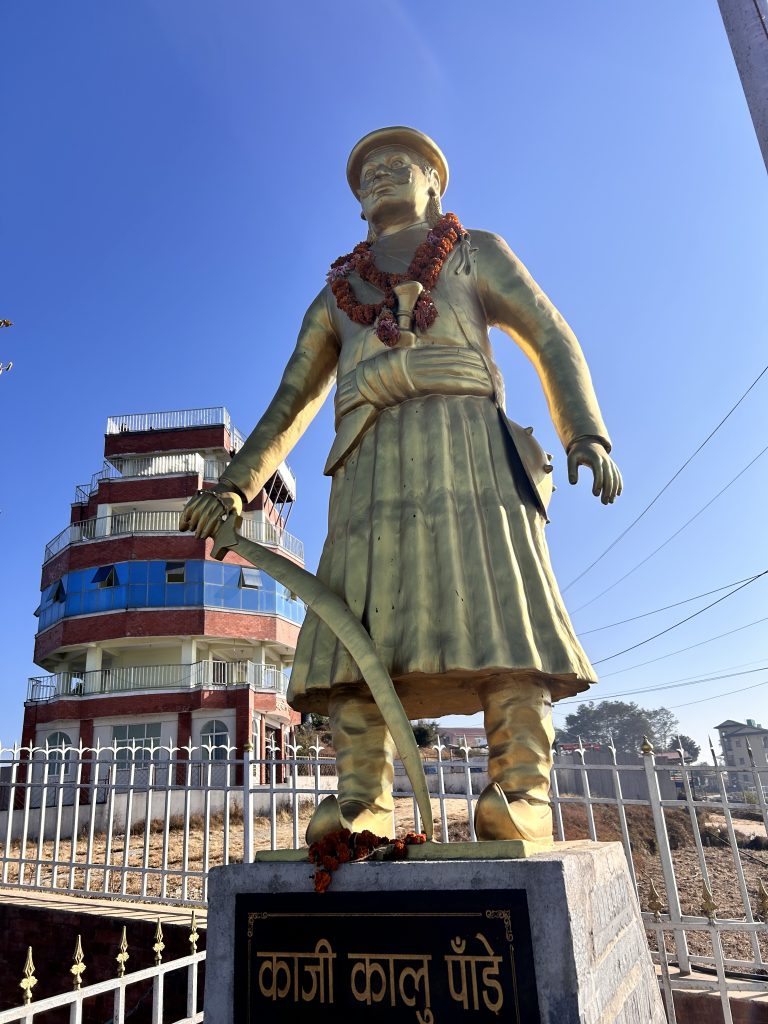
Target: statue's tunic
(435, 538)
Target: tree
(314, 728)
(425, 732)
(624, 723)
(664, 725)
(689, 745)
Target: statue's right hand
(203, 514)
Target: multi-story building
(735, 739)
(145, 638)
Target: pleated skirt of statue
(435, 544)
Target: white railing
(126, 523)
(120, 822)
(159, 465)
(176, 419)
(132, 466)
(126, 1000)
(199, 675)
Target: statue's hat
(397, 135)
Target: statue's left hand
(607, 478)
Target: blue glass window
(106, 576)
(250, 578)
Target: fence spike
(78, 966)
(28, 980)
(123, 955)
(655, 903)
(708, 905)
(712, 751)
(159, 945)
(762, 901)
(194, 935)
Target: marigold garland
(337, 848)
(425, 268)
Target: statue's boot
(518, 723)
(365, 766)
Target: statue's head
(398, 174)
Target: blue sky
(173, 191)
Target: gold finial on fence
(762, 901)
(123, 955)
(29, 980)
(708, 905)
(655, 903)
(77, 968)
(646, 746)
(194, 935)
(159, 945)
(248, 746)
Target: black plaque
(418, 957)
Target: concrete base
(590, 954)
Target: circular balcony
(123, 524)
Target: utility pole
(746, 22)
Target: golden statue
(438, 500)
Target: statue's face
(393, 182)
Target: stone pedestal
(555, 938)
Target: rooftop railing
(121, 524)
(200, 675)
(176, 419)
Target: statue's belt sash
(398, 375)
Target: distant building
(735, 738)
(145, 638)
(459, 737)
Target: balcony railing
(131, 467)
(177, 419)
(200, 675)
(121, 524)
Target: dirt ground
(186, 859)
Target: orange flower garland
(337, 848)
(425, 268)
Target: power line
(728, 693)
(675, 534)
(663, 608)
(682, 650)
(671, 480)
(673, 685)
(682, 622)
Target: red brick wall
(160, 441)
(84, 629)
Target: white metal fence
(150, 822)
(124, 993)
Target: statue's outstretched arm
(515, 303)
(307, 379)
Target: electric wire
(728, 693)
(671, 480)
(674, 685)
(693, 615)
(675, 534)
(663, 608)
(683, 650)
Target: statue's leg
(518, 723)
(365, 766)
